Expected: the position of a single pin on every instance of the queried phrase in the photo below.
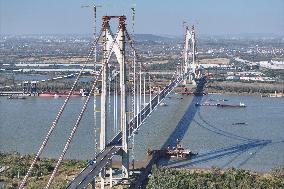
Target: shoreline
(13, 167)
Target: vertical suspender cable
(137, 103)
(114, 107)
(95, 119)
(95, 69)
(116, 104)
(109, 85)
(150, 93)
(140, 91)
(144, 87)
(134, 85)
(144, 94)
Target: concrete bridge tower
(187, 66)
(116, 45)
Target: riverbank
(14, 166)
(244, 88)
(214, 178)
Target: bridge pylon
(189, 48)
(116, 45)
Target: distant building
(272, 64)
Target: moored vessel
(58, 94)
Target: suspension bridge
(128, 80)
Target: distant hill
(243, 36)
(151, 37)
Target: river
(208, 130)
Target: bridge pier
(102, 178)
(93, 184)
(110, 175)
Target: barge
(241, 105)
(178, 151)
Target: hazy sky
(152, 16)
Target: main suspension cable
(54, 123)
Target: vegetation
(15, 166)
(214, 179)
(255, 57)
(244, 87)
(171, 65)
(279, 74)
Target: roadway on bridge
(88, 174)
(102, 159)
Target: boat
(58, 94)
(241, 105)
(84, 92)
(185, 93)
(276, 95)
(16, 97)
(177, 152)
(204, 104)
(200, 93)
(163, 104)
(224, 100)
(239, 123)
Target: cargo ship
(82, 92)
(241, 105)
(58, 94)
(16, 97)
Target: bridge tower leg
(186, 65)
(194, 65)
(103, 129)
(190, 68)
(123, 118)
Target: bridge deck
(87, 175)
